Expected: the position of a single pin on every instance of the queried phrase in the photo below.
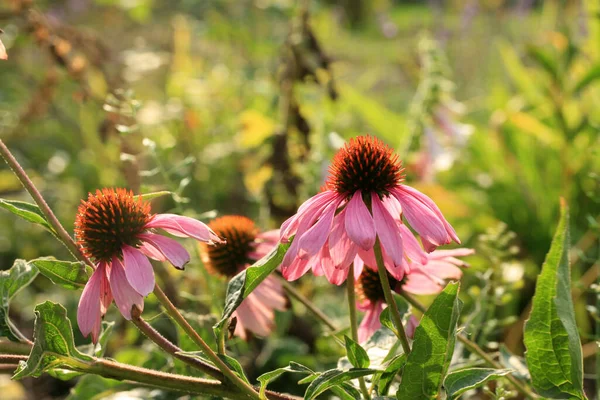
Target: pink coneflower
(244, 245)
(364, 198)
(422, 279)
(116, 230)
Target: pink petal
(125, 295)
(89, 311)
(3, 55)
(411, 326)
(418, 283)
(443, 270)
(138, 270)
(264, 243)
(359, 264)
(460, 252)
(411, 245)
(184, 227)
(341, 249)
(255, 316)
(334, 274)
(370, 323)
(314, 238)
(296, 269)
(393, 206)
(307, 210)
(422, 208)
(168, 248)
(359, 222)
(387, 230)
(270, 293)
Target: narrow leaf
(458, 382)
(53, 345)
(427, 363)
(27, 211)
(246, 281)
(71, 275)
(153, 195)
(11, 282)
(270, 376)
(334, 377)
(592, 75)
(386, 379)
(356, 355)
(553, 346)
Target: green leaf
(27, 211)
(270, 376)
(70, 275)
(517, 364)
(458, 382)
(334, 377)
(53, 345)
(432, 350)
(16, 278)
(385, 317)
(356, 355)
(153, 195)
(387, 377)
(246, 281)
(592, 75)
(553, 346)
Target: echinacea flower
(364, 198)
(116, 230)
(244, 245)
(428, 278)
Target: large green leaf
(71, 275)
(427, 363)
(334, 377)
(53, 345)
(551, 338)
(27, 211)
(16, 278)
(458, 382)
(246, 281)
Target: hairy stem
(174, 313)
(60, 231)
(475, 349)
(389, 297)
(171, 348)
(293, 292)
(354, 323)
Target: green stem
(389, 297)
(293, 292)
(174, 313)
(170, 348)
(59, 230)
(6, 346)
(354, 323)
(475, 349)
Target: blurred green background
(236, 106)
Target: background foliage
(236, 106)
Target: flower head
(116, 230)
(364, 199)
(245, 244)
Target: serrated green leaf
(153, 195)
(356, 355)
(53, 345)
(246, 281)
(16, 278)
(427, 363)
(334, 377)
(392, 369)
(70, 275)
(28, 211)
(553, 346)
(270, 376)
(458, 382)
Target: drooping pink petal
(125, 295)
(420, 203)
(295, 269)
(359, 264)
(397, 271)
(393, 206)
(359, 222)
(270, 293)
(387, 230)
(264, 243)
(307, 210)
(443, 270)
(418, 283)
(411, 245)
(184, 227)
(3, 55)
(311, 242)
(460, 252)
(168, 248)
(89, 311)
(341, 248)
(138, 270)
(370, 323)
(106, 296)
(334, 274)
(254, 316)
